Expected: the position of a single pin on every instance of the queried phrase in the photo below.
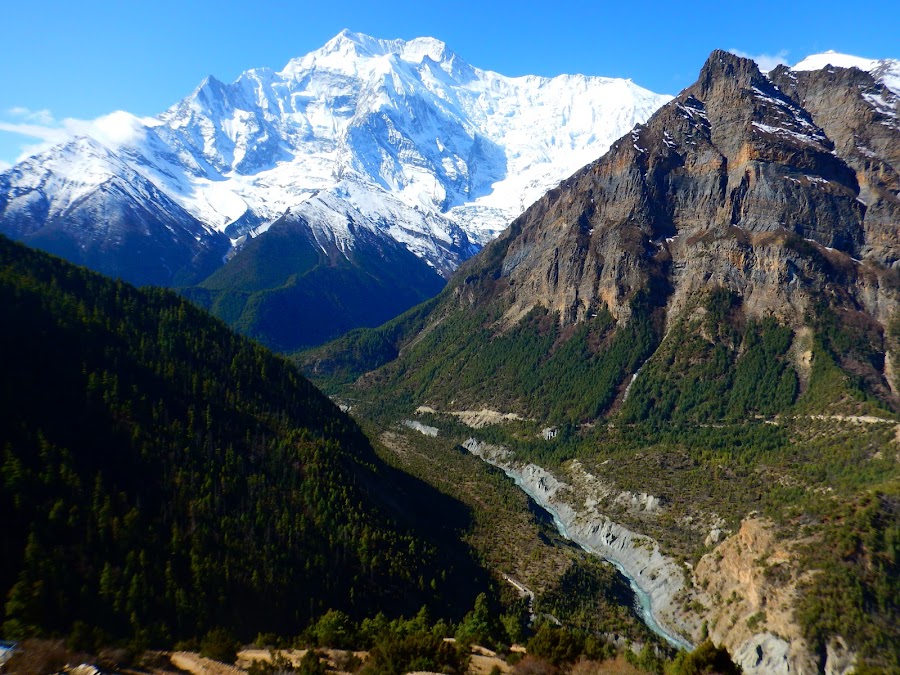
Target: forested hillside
(289, 290)
(162, 475)
(695, 338)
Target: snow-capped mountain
(407, 117)
(439, 155)
(85, 203)
(399, 140)
(885, 71)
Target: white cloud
(4, 166)
(116, 129)
(42, 116)
(45, 133)
(766, 62)
(113, 130)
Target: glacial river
(643, 600)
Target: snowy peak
(344, 52)
(84, 202)
(833, 58)
(405, 116)
(885, 71)
(429, 151)
(66, 174)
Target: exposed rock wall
(782, 190)
(751, 612)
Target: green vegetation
(481, 626)
(856, 594)
(162, 476)
(714, 368)
(593, 597)
(152, 454)
(504, 532)
(727, 416)
(563, 646)
(511, 535)
(706, 659)
(415, 652)
(363, 349)
(404, 645)
(311, 663)
(285, 291)
(531, 367)
(756, 620)
(395, 646)
(848, 359)
(219, 644)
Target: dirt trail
(524, 591)
(200, 665)
(858, 419)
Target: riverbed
(644, 601)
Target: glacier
(402, 138)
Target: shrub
(333, 629)
(347, 662)
(311, 664)
(707, 659)
(533, 665)
(393, 655)
(219, 645)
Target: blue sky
(63, 62)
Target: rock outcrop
(750, 607)
(737, 182)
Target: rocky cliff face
(784, 196)
(780, 192)
(860, 117)
(708, 314)
(749, 610)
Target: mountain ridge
(717, 296)
(408, 119)
(165, 476)
(364, 139)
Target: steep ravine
(728, 592)
(655, 579)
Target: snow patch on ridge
(446, 154)
(886, 71)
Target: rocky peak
(725, 72)
(734, 183)
(860, 116)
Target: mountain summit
(441, 154)
(382, 163)
(886, 71)
(779, 189)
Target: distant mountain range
(363, 148)
(362, 140)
